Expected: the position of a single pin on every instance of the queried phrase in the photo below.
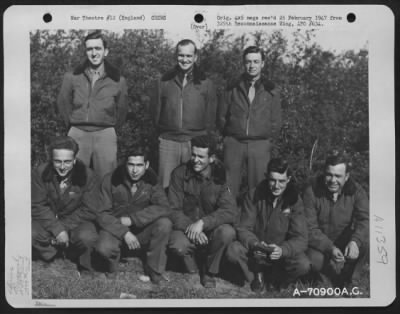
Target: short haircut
(337, 157)
(186, 42)
(63, 142)
(96, 35)
(278, 165)
(254, 49)
(205, 141)
(137, 151)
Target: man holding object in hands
(272, 232)
(64, 205)
(337, 211)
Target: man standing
(272, 231)
(183, 105)
(133, 217)
(64, 204)
(249, 117)
(337, 211)
(93, 103)
(203, 209)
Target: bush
(324, 95)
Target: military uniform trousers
(340, 273)
(153, 241)
(284, 270)
(81, 242)
(210, 254)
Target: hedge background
(324, 94)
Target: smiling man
(272, 232)
(64, 206)
(183, 105)
(249, 117)
(133, 216)
(203, 210)
(93, 103)
(337, 211)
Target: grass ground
(60, 280)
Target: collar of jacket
(268, 85)
(120, 176)
(78, 173)
(320, 189)
(289, 196)
(198, 75)
(109, 70)
(218, 173)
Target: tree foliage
(324, 95)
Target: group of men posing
(275, 236)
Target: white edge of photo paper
(374, 24)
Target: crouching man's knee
(298, 266)
(224, 234)
(235, 251)
(107, 245)
(179, 244)
(84, 235)
(163, 227)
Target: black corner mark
(351, 17)
(199, 18)
(47, 18)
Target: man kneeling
(134, 210)
(272, 232)
(337, 212)
(203, 208)
(64, 204)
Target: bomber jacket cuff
(285, 250)
(124, 229)
(135, 221)
(252, 244)
(328, 247)
(357, 241)
(207, 223)
(180, 226)
(57, 228)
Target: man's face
(277, 183)
(95, 52)
(136, 167)
(200, 159)
(253, 64)
(186, 57)
(335, 177)
(63, 161)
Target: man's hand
(194, 230)
(131, 241)
(276, 253)
(126, 221)
(337, 255)
(351, 251)
(62, 238)
(202, 239)
(261, 251)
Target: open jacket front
(147, 204)
(285, 225)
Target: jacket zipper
(247, 123)
(88, 106)
(248, 118)
(181, 108)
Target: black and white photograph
(225, 154)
